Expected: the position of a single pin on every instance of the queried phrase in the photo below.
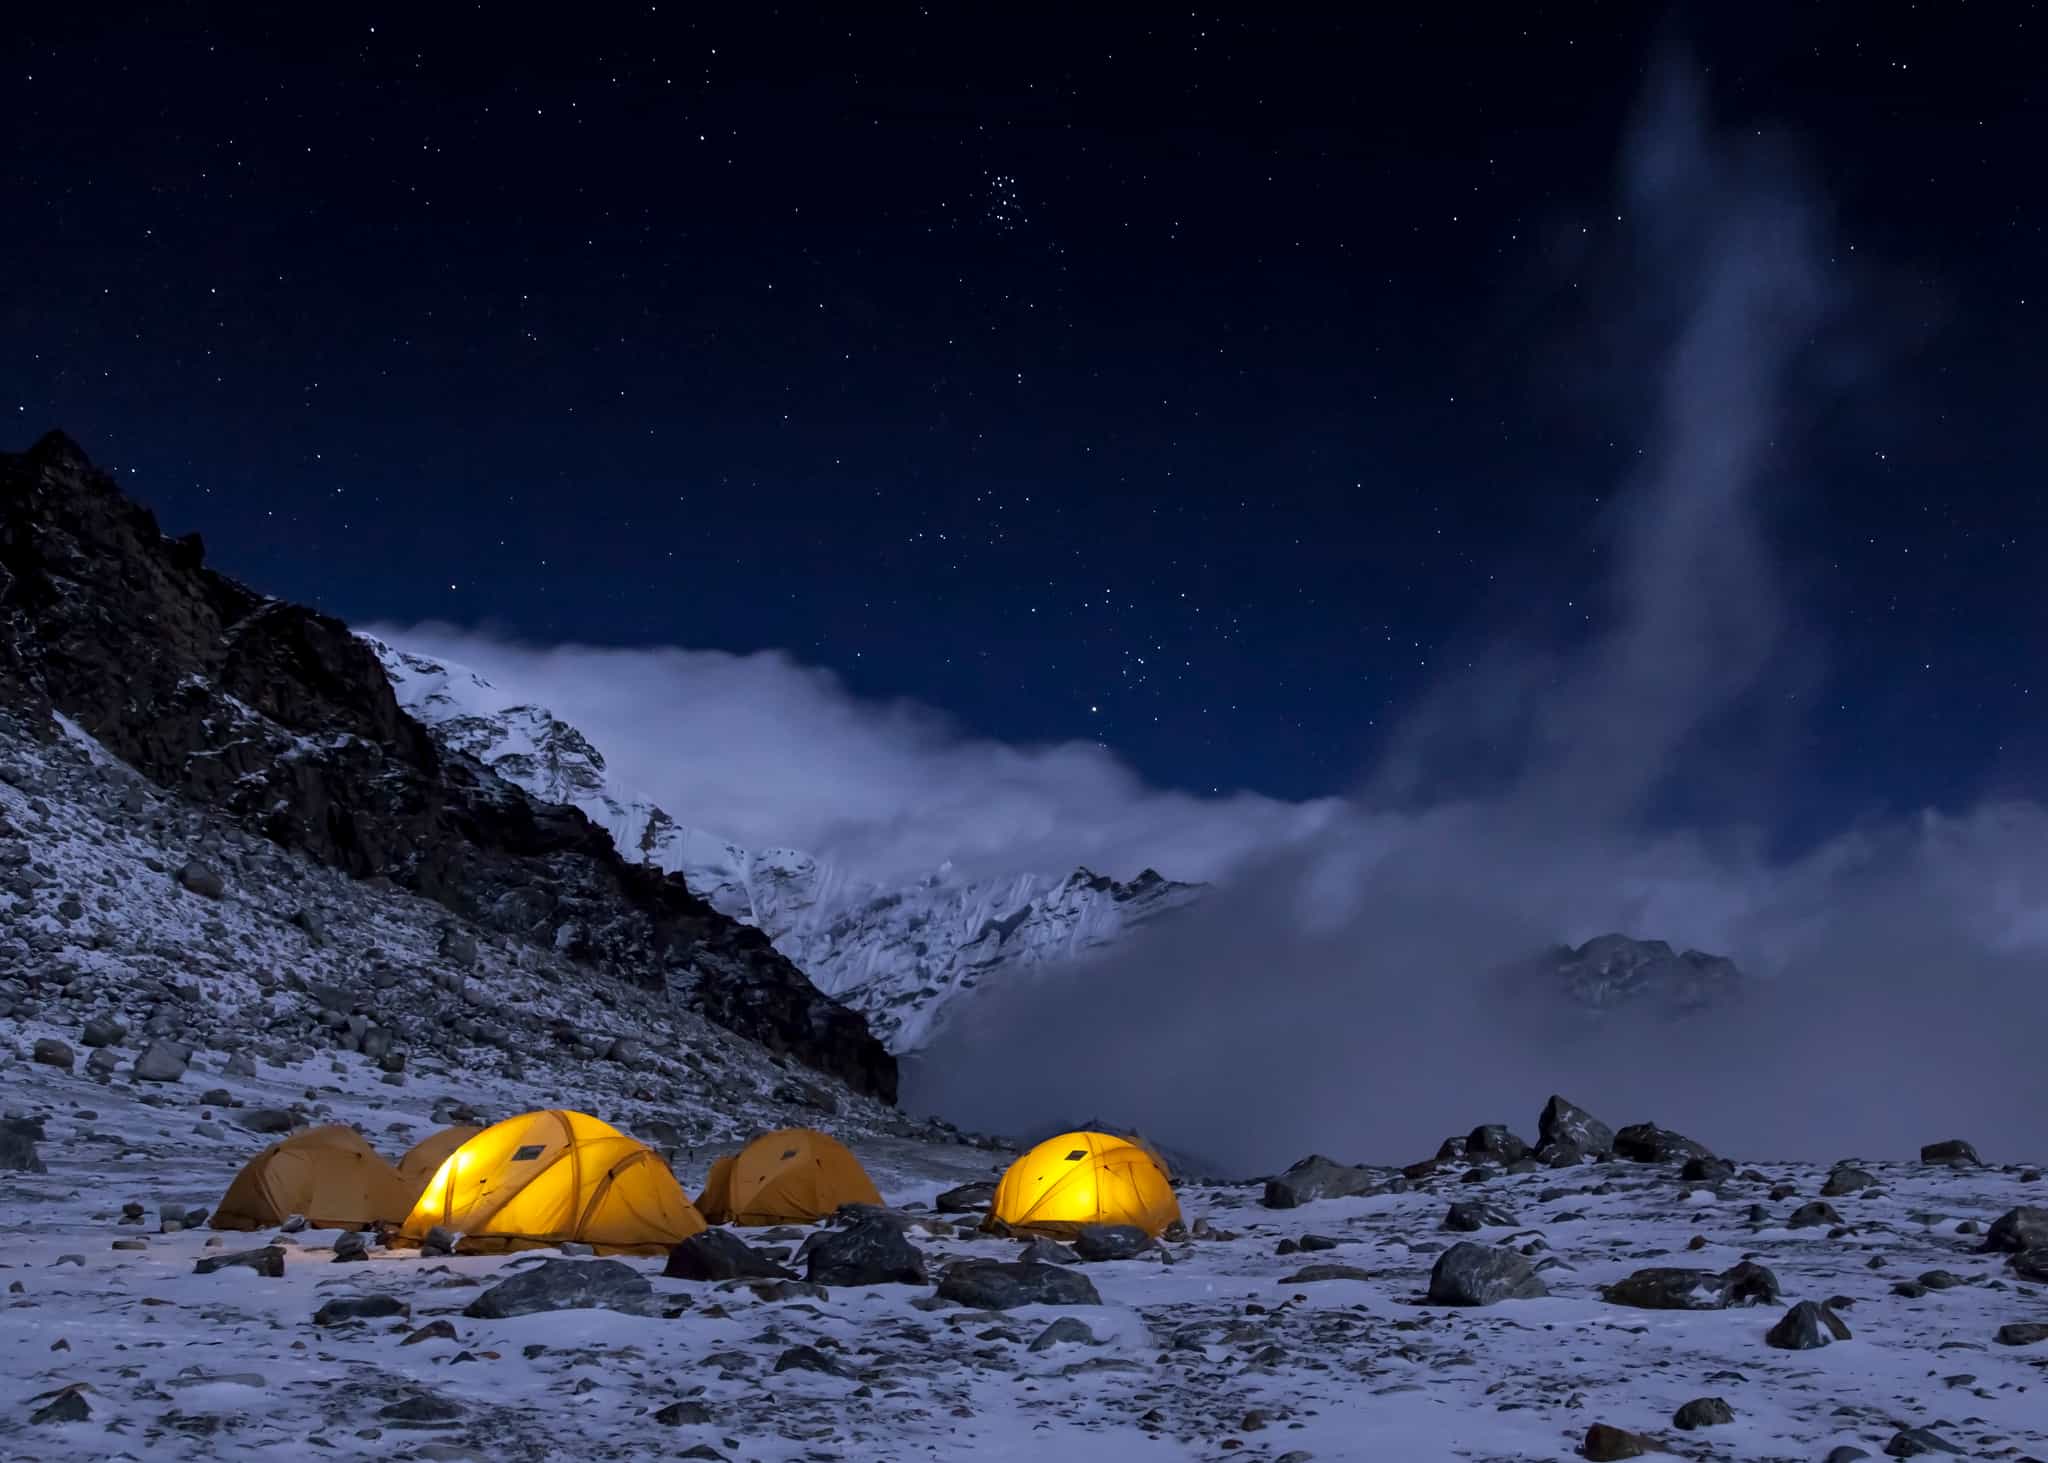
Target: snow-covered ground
(904, 955)
(1203, 1350)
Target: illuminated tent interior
(1078, 1179)
(545, 1177)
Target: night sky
(1204, 382)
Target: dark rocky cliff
(277, 715)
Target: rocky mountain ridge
(1616, 972)
(903, 955)
(282, 721)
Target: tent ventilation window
(530, 1152)
(1077, 1155)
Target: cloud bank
(1343, 996)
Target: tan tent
(545, 1177)
(789, 1176)
(330, 1175)
(424, 1157)
(1079, 1179)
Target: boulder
(1673, 1288)
(566, 1285)
(1111, 1242)
(1604, 1444)
(1703, 1412)
(966, 1199)
(102, 1031)
(1806, 1327)
(872, 1252)
(197, 878)
(1316, 1274)
(421, 1409)
(50, 1052)
(267, 1120)
(268, 1261)
(350, 1246)
(359, 1308)
(1919, 1442)
(66, 1404)
(1494, 1141)
(1707, 1171)
(998, 1285)
(719, 1254)
(1807, 1216)
(1469, 1274)
(1566, 1124)
(1476, 1214)
(1065, 1330)
(162, 1061)
(1949, 1150)
(2031, 1265)
(809, 1359)
(1044, 1250)
(2022, 1333)
(1316, 1177)
(18, 1146)
(2022, 1228)
(1648, 1143)
(1847, 1179)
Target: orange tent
(1079, 1179)
(424, 1157)
(789, 1176)
(543, 1178)
(330, 1175)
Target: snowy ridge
(901, 956)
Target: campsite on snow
(896, 734)
(297, 1157)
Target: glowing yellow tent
(1079, 1179)
(330, 1175)
(789, 1176)
(545, 1177)
(423, 1159)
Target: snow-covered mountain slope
(274, 716)
(137, 926)
(902, 956)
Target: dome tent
(331, 1175)
(546, 1177)
(1077, 1179)
(789, 1176)
(424, 1157)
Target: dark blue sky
(1204, 382)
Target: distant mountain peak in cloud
(901, 953)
